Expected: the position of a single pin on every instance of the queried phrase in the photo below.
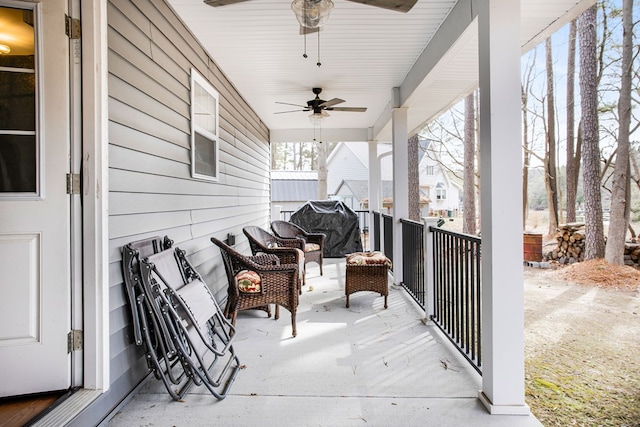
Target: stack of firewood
(632, 254)
(571, 242)
(570, 247)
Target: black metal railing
(457, 291)
(413, 279)
(387, 230)
(363, 222)
(377, 229)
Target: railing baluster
(388, 236)
(413, 259)
(457, 291)
(376, 231)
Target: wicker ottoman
(367, 271)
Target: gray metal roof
(293, 190)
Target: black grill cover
(333, 218)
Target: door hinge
(75, 340)
(73, 183)
(72, 27)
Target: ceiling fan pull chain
(304, 55)
(318, 63)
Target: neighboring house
(292, 189)
(348, 167)
(443, 191)
(355, 194)
(350, 161)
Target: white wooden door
(35, 289)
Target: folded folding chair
(149, 329)
(186, 336)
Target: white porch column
(374, 188)
(95, 187)
(400, 137)
(501, 176)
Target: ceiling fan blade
(295, 105)
(397, 5)
(290, 111)
(305, 30)
(354, 109)
(218, 3)
(332, 102)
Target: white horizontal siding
(151, 192)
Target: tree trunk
(274, 156)
(573, 162)
(619, 221)
(550, 164)
(414, 179)
(469, 182)
(300, 154)
(594, 234)
(322, 170)
(314, 158)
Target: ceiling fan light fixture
(312, 13)
(317, 118)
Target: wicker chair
(289, 251)
(278, 284)
(289, 230)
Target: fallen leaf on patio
(446, 365)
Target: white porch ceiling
(365, 52)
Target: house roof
(360, 188)
(294, 175)
(424, 60)
(283, 190)
(294, 186)
(360, 152)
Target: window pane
(17, 163)
(17, 101)
(204, 109)
(205, 156)
(17, 48)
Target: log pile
(570, 246)
(571, 242)
(632, 254)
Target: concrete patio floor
(347, 367)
